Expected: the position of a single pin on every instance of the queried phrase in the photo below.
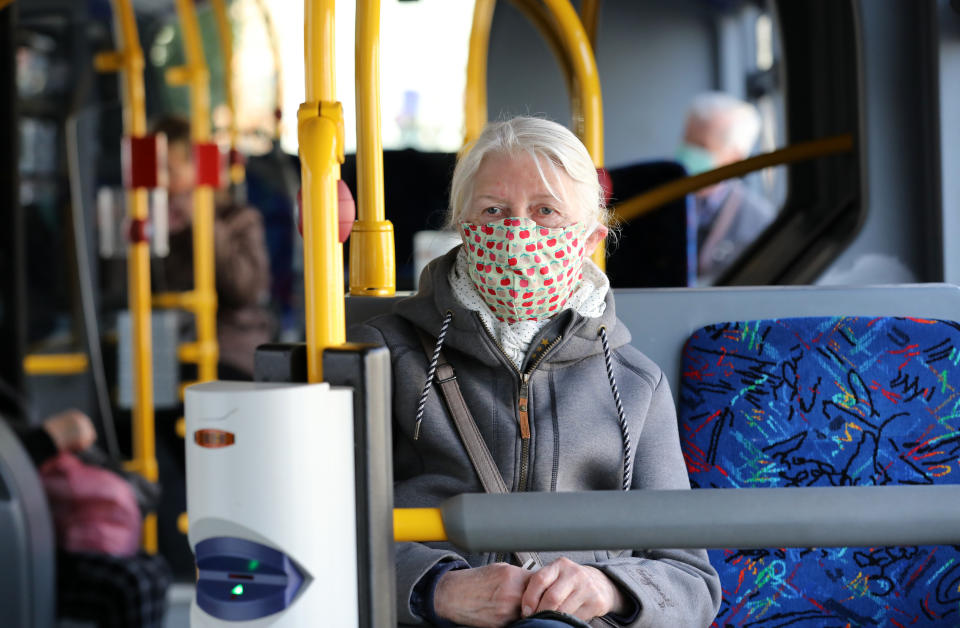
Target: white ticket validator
(271, 504)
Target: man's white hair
(548, 143)
(744, 126)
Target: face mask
(694, 158)
(522, 270)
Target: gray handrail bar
(706, 518)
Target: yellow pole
(318, 25)
(651, 199)
(277, 66)
(196, 76)
(475, 94)
(225, 35)
(578, 48)
(418, 524)
(128, 60)
(546, 26)
(320, 133)
(584, 66)
(590, 16)
(372, 262)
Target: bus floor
(178, 605)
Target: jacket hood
(427, 308)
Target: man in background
(720, 130)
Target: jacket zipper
(523, 413)
(524, 418)
(522, 409)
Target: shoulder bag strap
(470, 435)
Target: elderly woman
(561, 400)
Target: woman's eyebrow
(546, 197)
(490, 197)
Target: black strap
(477, 450)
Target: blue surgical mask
(695, 159)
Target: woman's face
(509, 186)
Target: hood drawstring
(431, 373)
(608, 359)
(621, 416)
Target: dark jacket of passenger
(576, 439)
(721, 234)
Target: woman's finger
(556, 597)
(579, 604)
(536, 586)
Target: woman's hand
(70, 430)
(568, 587)
(487, 597)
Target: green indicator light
(252, 565)
(237, 590)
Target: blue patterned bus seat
(843, 401)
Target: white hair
(744, 126)
(545, 141)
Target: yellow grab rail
(197, 78)
(190, 300)
(320, 133)
(643, 203)
(372, 257)
(225, 35)
(55, 363)
(320, 71)
(537, 14)
(577, 46)
(580, 53)
(475, 93)
(590, 16)
(418, 524)
(128, 60)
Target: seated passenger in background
(241, 261)
(70, 430)
(101, 578)
(720, 130)
(528, 323)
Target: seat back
(27, 545)
(656, 249)
(827, 401)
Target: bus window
(422, 78)
(42, 78)
(164, 49)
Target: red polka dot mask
(522, 270)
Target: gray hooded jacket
(576, 442)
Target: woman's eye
(491, 211)
(546, 211)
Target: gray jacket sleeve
(413, 560)
(673, 587)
